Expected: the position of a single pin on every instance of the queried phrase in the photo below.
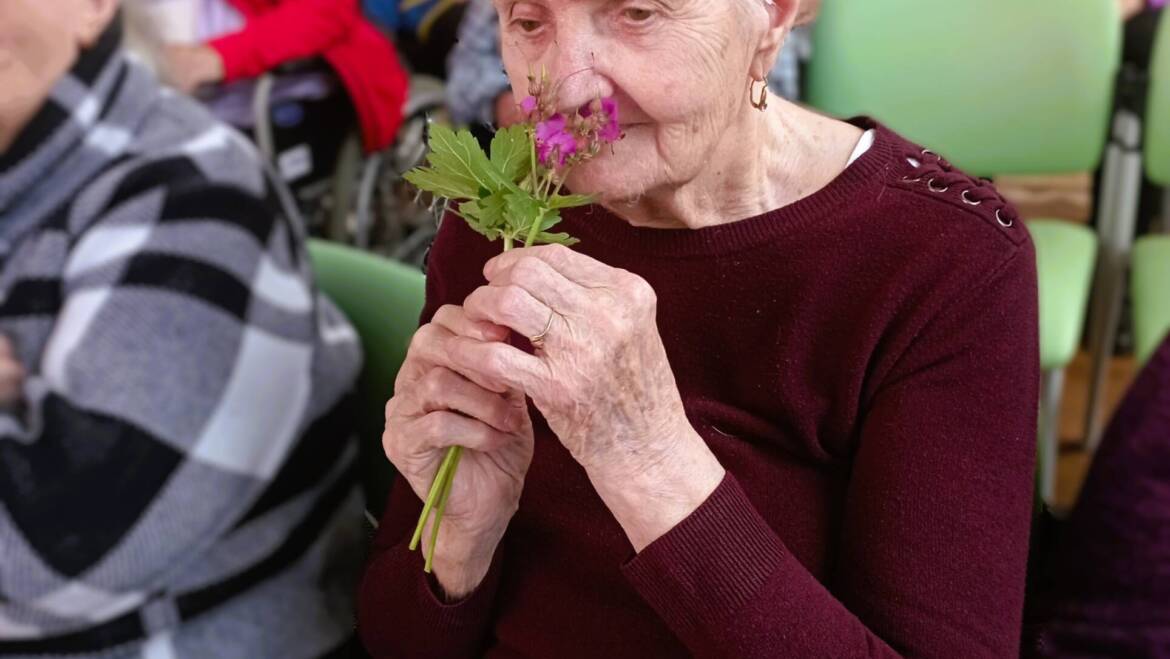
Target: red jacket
(278, 31)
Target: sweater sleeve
(400, 610)
(293, 30)
(176, 381)
(936, 520)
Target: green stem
(532, 232)
(558, 190)
(532, 158)
(508, 242)
(449, 480)
(432, 496)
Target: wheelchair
(343, 194)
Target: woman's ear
(92, 19)
(781, 17)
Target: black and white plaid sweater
(179, 481)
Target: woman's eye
(637, 15)
(528, 25)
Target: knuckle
(527, 269)
(434, 425)
(511, 301)
(447, 313)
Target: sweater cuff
(454, 619)
(710, 565)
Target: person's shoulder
(190, 167)
(935, 206)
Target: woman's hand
(12, 375)
(435, 407)
(190, 67)
(601, 378)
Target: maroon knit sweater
(863, 362)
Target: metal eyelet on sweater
(999, 218)
(967, 200)
(928, 152)
(907, 179)
(930, 186)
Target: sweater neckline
(597, 225)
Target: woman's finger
(430, 347)
(445, 390)
(544, 283)
(500, 362)
(574, 266)
(510, 306)
(455, 320)
(440, 430)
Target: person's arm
(476, 82)
(173, 385)
(934, 536)
(295, 29)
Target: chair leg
(1051, 393)
(1117, 221)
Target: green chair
(997, 87)
(1150, 285)
(1117, 225)
(383, 300)
(1150, 291)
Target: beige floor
(1074, 460)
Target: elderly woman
(785, 397)
(175, 475)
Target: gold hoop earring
(761, 103)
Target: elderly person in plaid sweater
(175, 474)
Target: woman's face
(678, 68)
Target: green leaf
(438, 184)
(522, 211)
(511, 153)
(556, 238)
(473, 213)
(570, 201)
(458, 156)
(551, 219)
(494, 210)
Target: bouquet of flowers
(511, 194)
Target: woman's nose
(580, 70)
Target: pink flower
(554, 141)
(528, 105)
(607, 109)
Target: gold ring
(538, 340)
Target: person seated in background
(424, 31)
(1107, 585)
(176, 472)
(239, 40)
(478, 93)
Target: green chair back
(1158, 111)
(996, 86)
(383, 300)
(1150, 292)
